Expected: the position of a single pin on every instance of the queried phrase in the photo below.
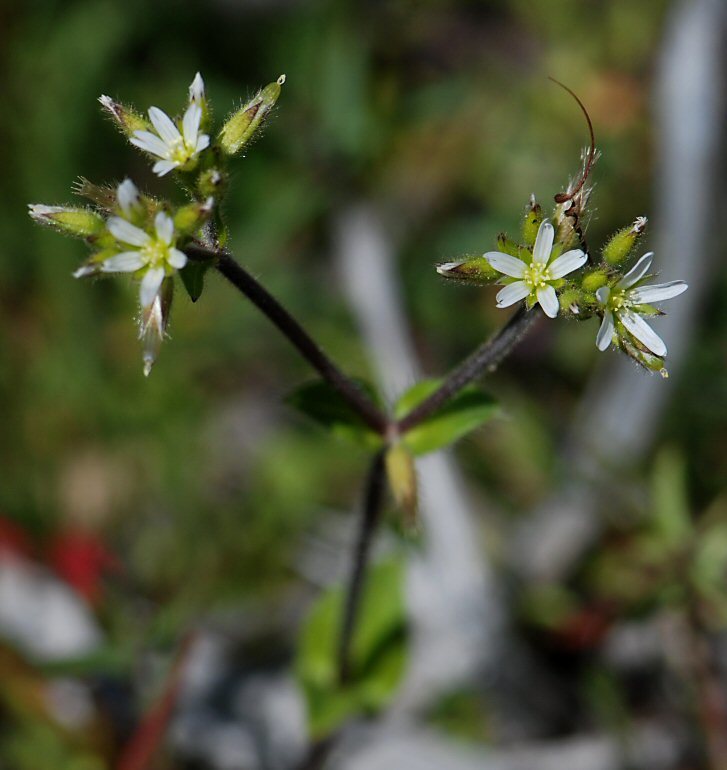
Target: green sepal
(508, 246)
(469, 269)
(464, 412)
(190, 218)
(126, 119)
(192, 275)
(322, 403)
(378, 657)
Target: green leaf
(378, 651)
(193, 278)
(469, 409)
(325, 405)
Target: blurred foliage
(199, 482)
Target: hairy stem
(294, 332)
(370, 517)
(484, 359)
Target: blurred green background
(199, 483)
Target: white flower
(624, 300)
(155, 254)
(535, 279)
(174, 148)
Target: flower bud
(471, 269)
(81, 223)
(191, 217)
(153, 324)
(403, 481)
(241, 127)
(643, 357)
(622, 243)
(532, 221)
(127, 120)
(211, 183)
(594, 279)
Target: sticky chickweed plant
(548, 270)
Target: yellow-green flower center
(155, 252)
(537, 275)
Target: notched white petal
(658, 292)
(164, 125)
(512, 293)
(567, 263)
(603, 294)
(164, 227)
(548, 300)
(163, 167)
(543, 242)
(149, 142)
(643, 332)
(637, 272)
(125, 262)
(605, 331)
(150, 284)
(203, 142)
(126, 232)
(177, 258)
(190, 124)
(505, 263)
(127, 196)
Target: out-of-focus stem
(370, 517)
(294, 332)
(485, 359)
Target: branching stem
(485, 359)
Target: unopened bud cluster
(129, 232)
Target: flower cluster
(133, 233)
(552, 268)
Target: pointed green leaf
(193, 278)
(469, 409)
(322, 403)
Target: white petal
(126, 232)
(605, 332)
(505, 263)
(543, 242)
(190, 124)
(150, 284)
(196, 89)
(548, 300)
(149, 142)
(85, 270)
(125, 262)
(657, 292)
(512, 293)
(603, 294)
(203, 142)
(128, 196)
(164, 125)
(164, 226)
(643, 332)
(177, 258)
(567, 263)
(446, 267)
(163, 167)
(637, 272)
